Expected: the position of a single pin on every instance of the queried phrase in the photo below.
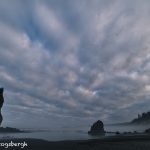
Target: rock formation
(147, 131)
(97, 128)
(1, 104)
(143, 118)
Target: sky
(68, 63)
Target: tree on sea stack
(97, 128)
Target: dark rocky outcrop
(143, 118)
(97, 128)
(1, 103)
(147, 131)
(10, 130)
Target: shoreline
(135, 142)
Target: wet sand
(139, 142)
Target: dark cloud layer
(72, 61)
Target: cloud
(85, 60)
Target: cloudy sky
(71, 62)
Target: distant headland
(143, 118)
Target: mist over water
(73, 133)
(126, 128)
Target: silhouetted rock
(117, 132)
(143, 118)
(10, 130)
(1, 104)
(135, 132)
(97, 128)
(147, 130)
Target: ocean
(71, 134)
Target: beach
(16, 139)
(139, 142)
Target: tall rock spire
(1, 103)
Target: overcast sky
(71, 62)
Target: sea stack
(97, 128)
(1, 104)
